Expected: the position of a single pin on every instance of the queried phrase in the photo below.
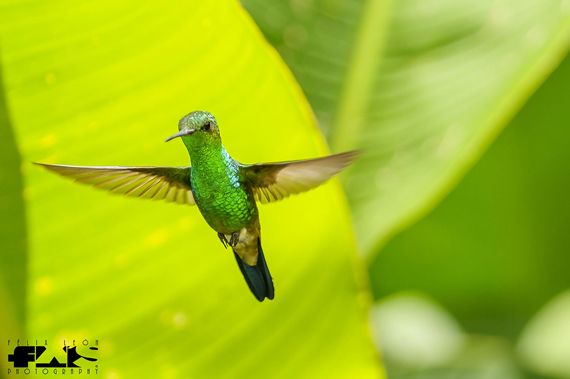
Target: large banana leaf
(103, 83)
(423, 85)
(495, 251)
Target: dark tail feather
(257, 277)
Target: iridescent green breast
(220, 195)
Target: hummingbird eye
(206, 126)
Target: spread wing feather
(169, 183)
(276, 181)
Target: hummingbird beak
(183, 132)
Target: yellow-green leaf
(12, 236)
(103, 83)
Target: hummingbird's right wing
(169, 183)
(275, 181)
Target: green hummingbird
(224, 190)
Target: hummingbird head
(198, 128)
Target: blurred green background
(496, 250)
(446, 255)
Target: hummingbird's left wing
(276, 181)
(169, 183)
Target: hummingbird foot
(234, 239)
(222, 238)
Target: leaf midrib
(365, 58)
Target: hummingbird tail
(257, 277)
